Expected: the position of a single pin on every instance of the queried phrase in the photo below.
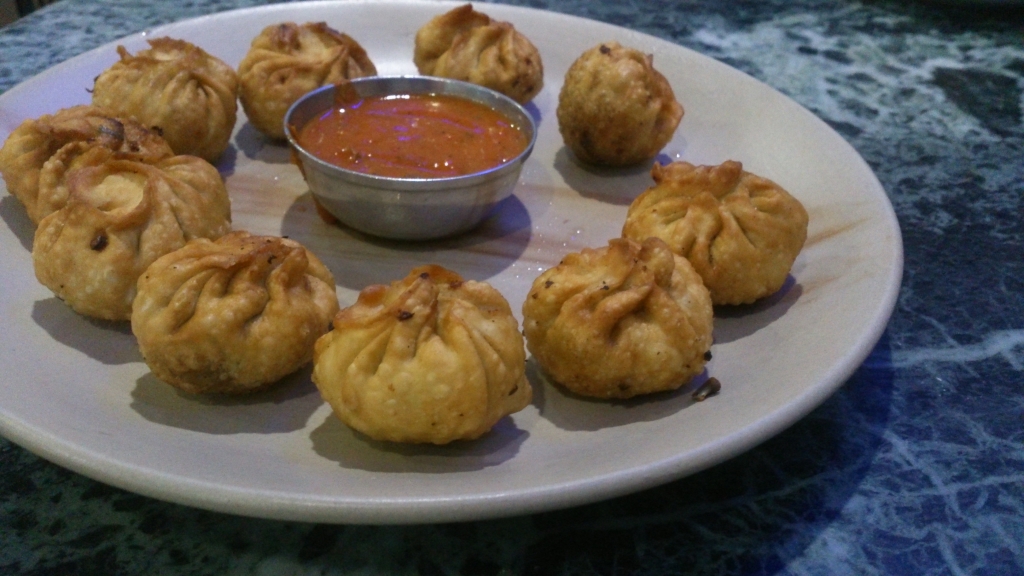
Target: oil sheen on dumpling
(177, 88)
(740, 231)
(233, 315)
(619, 321)
(119, 218)
(429, 359)
(285, 61)
(614, 108)
(39, 153)
(464, 44)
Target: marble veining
(916, 466)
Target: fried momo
(285, 61)
(177, 88)
(741, 232)
(39, 153)
(119, 217)
(233, 315)
(431, 358)
(464, 44)
(615, 322)
(614, 108)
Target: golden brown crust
(467, 45)
(614, 108)
(627, 319)
(233, 315)
(119, 217)
(431, 358)
(178, 89)
(285, 61)
(740, 231)
(38, 154)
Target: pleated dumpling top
(234, 315)
(39, 153)
(178, 89)
(287, 60)
(431, 358)
(741, 232)
(119, 217)
(467, 45)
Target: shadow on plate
(610, 185)
(350, 449)
(12, 211)
(737, 322)
(227, 161)
(358, 260)
(534, 112)
(573, 412)
(285, 407)
(256, 146)
(111, 343)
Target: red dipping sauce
(413, 136)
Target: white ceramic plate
(76, 392)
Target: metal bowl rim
(416, 184)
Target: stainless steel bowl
(408, 208)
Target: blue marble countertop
(915, 466)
